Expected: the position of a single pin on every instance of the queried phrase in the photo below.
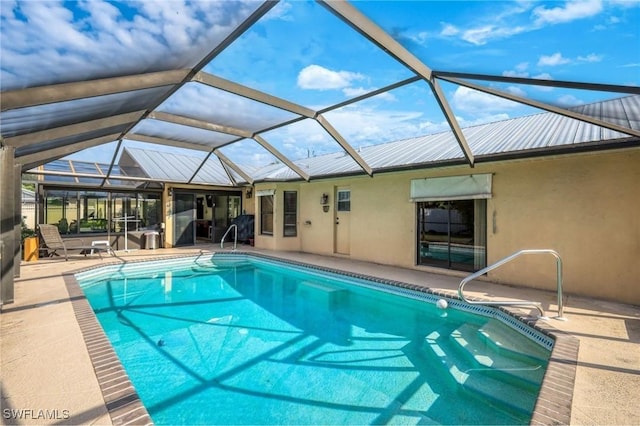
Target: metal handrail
(235, 237)
(501, 262)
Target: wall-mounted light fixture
(249, 193)
(170, 192)
(324, 201)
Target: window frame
(287, 214)
(266, 216)
(346, 202)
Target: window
(266, 214)
(290, 213)
(452, 234)
(93, 212)
(344, 200)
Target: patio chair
(52, 241)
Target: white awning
(466, 187)
(265, 192)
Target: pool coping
(553, 405)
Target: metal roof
(180, 99)
(518, 136)
(539, 133)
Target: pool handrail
(509, 258)
(235, 236)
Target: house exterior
(585, 206)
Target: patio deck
(46, 364)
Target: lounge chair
(52, 241)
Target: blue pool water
(252, 341)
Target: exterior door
(184, 217)
(343, 220)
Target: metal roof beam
(223, 158)
(615, 88)
(45, 156)
(378, 36)
(191, 122)
(97, 176)
(256, 95)
(266, 145)
(451, 119)
(546, 107)
(265, 7)
(226, 170)
(72, 129)
(195, 173)
(371, 94)
(43, 95)
(168, 142)
(344, 144)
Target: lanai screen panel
(180, 133)
(302, 140)
(162, 163)
(401, 113)
(63, 166)
(212, 172)
(476, 37)
(36, 118)
(248, 155)
(321, 66)
(87, 40)
(215, 106)
(70, 140)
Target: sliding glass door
(452, 234)
(184, 229)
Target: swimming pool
(235, 339)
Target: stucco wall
(585, 206)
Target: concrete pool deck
(48, 376)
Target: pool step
(326, 294)
(479, 375)
(503, 337)
(491, 350)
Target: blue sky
(301, 52)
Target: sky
(301, 52)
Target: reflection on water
(258, 344)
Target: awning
(467, 187)
(265, 192)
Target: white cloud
(552, 60)
(519, 71)
(591, 57)
(352, 92)
(570, 11)
(68, 41)
(517, 91)
(279, 11)
(360, 125)
(484, 34)
(449, 30)
(319, 78)
(543, 76)
(420, 38)
(569, 101)
(475, 102)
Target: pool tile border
(120, 397)
(553, 406)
